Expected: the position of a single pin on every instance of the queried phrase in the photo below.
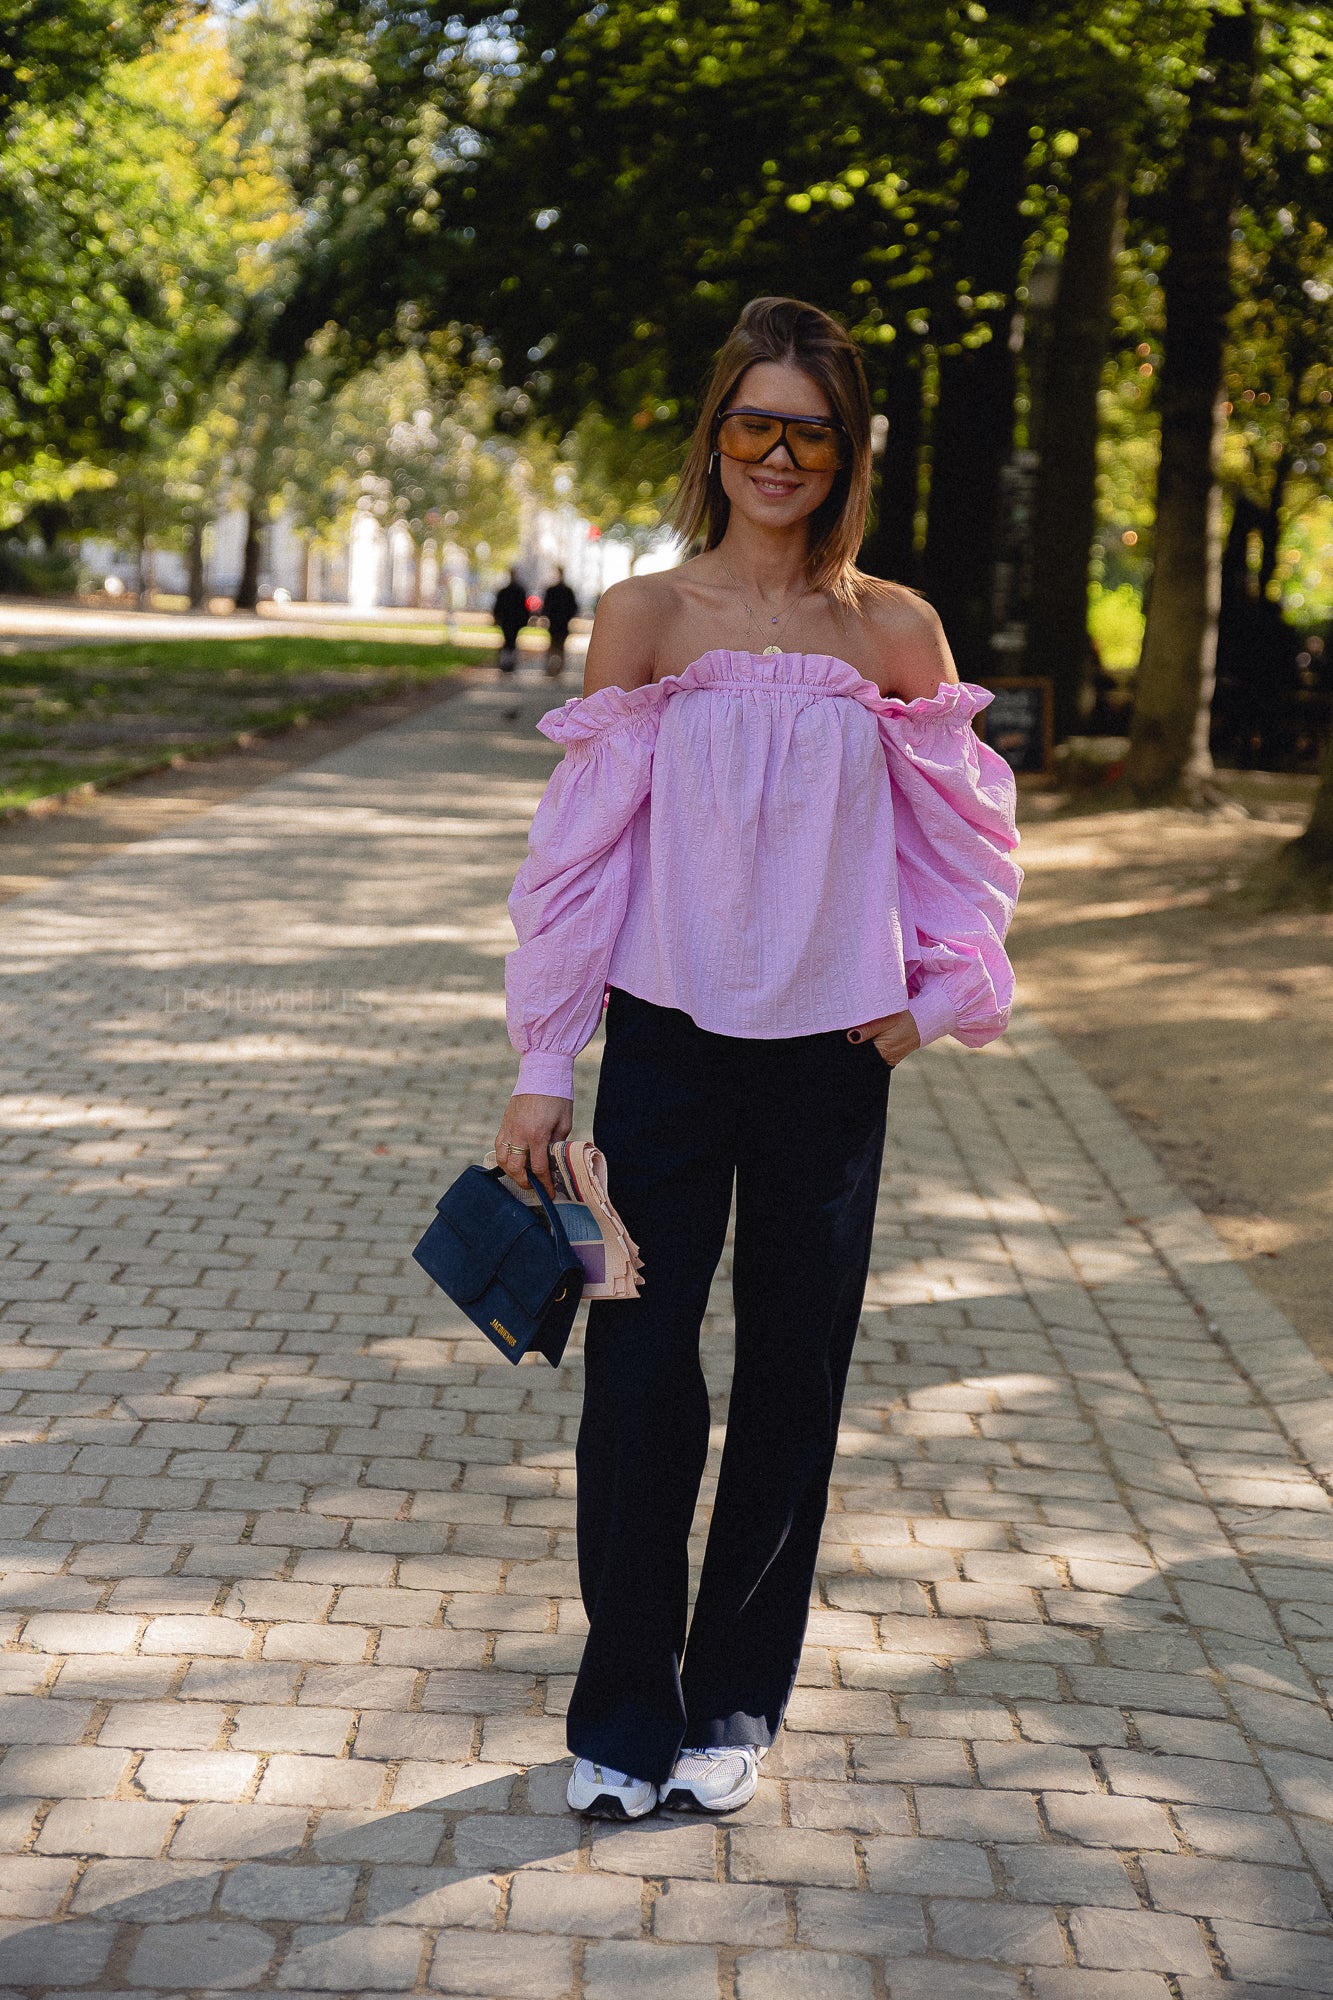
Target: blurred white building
(376, 564)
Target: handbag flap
(530, 1271)
(480, 1226)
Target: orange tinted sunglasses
(814, 444)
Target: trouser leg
(807, 1182)
(643, 1438)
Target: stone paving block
(304, 1731)
(927, 1867)
(320, 1781)
(934, 1979)
(976, 1815)
(1285, 1897)
(1239, 1836)
(779, 1854)
(485, 1788)
(42, 1955)
(1192, 1780)
(837, 1919)
(196, 1774)
(1071, 1722)
(1034, 1767)
(263, 1891)
(378, 1836)
(353, 1958)
(671, 1971)
(32, 1886)
(1102, 1821)
(795, 1975)
(730, 1913)
(356, 1687)
(221, 1956)
(504, 1841)
(1017, 1935)
(576, 1905)
(444, 1739)
(1069, 1984)
(679, 1850)
(24, 1720)
(862, 1808)
(504, 1967)
(1064, 1874)
(57, 1771)
(1138, 1941)
(1276, 1958)
(433, 1896)
(164, 1725)
(145, 1892)
(115, 1827)
(236, 1832)
(1196, 1989)
(210, 1637)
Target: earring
(712, 465)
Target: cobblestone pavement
(290, 1612)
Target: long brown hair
(788, 330)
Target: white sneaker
(715, 1781)
(607, 1794)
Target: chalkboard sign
(1018, 724)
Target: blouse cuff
(933, 1011)
(546, 1073)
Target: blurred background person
(560, 608)
(510, 612)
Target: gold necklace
(780, 621)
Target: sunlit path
(290, 1613)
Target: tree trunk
(1064, 507)
(194, 555)
(973, 428)
(1169, 747)
(890, 547)
(268, 426)
(247, 590)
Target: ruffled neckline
(583, 717)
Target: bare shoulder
(622, 651)
(911, 651)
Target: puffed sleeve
(954, 824)
(568, 901)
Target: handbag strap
(562, 1243)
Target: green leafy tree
(131, 224)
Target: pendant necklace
(779, 621)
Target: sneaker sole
(681, 1799)
(607, 1806)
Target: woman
(775, 836)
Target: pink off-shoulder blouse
(769, 844)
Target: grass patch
(92, 715)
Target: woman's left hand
(894, 1035)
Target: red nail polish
(854, 1034)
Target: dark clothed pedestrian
(510, 612)
(560, 608)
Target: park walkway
(290, 1611)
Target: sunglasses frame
(785, 419)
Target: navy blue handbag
(508, 1267)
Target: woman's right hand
(530, 1125)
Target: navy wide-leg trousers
(798, 1125)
